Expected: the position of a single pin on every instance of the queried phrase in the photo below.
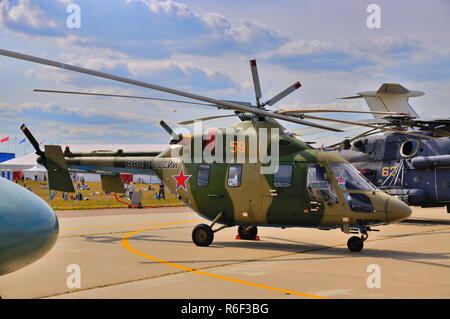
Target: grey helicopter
(413, 168)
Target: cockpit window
(349, 178)
(319, 186)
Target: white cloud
(78, 132)
(239, 30)
(86, 112)
(25, 13)
(46, 73)
(300, 47)
(215, 20)
(168, 7)
(66, 2)
(108, 59)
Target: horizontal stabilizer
(112, 184)
(58, 175)
(394, 88)
(352, 97)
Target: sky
(204, 47)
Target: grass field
(94, 197)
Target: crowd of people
(130, 189)
(80, 185)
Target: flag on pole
(4, 140)
(22, 141)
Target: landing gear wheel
(202, 235)
(247, 232)
(355, 243)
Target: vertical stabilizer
(58, 175)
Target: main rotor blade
(283, 94)
(124, 96)
(224, 104)
(31, 139)
(367, 125)
(336, 111)
(256, 83)
(206, 119)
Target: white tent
(38, 172)
(19, 163)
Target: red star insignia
(181, 180)
(341, 179)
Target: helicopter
(415, 169)
(249, 175)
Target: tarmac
(149, 253)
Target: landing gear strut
(356, 243)
(203, 235)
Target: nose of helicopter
(397, 210)
(28, 227)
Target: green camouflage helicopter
(251, 174)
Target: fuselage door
(284, 201)
(322, 203)
(243, 186)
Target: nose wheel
(203, 235)
(356, 243)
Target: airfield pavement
(149, 253)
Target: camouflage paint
(256, 201)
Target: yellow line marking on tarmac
(112, 226)
(187, 269)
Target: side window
(203, 175)
(283, 176)
(234, 175)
